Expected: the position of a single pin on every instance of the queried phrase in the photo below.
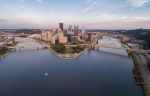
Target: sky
(89, 14)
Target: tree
(59, 48)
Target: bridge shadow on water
(105, 52)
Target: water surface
(92, 74)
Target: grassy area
(134, 58)
(125, 46)
(60, 48)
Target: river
(92, 74)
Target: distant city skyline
(89, 14)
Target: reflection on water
(92, 74)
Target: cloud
(114, 21)
(88, 1)
(137, 3)
(90, 5)
(118, 25)
(40, 1)
(22, 0)
(114, 17)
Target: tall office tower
(76, 30)
(61, 26)
(70, 30)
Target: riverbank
(67, 56)
(4, 51)
(140, 62)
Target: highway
(142, 61)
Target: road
(142, 61)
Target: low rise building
(46, 35)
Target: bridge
(14, 35)
(75, 45)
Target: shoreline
(68, 56)
(143, 79)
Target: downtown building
(54, 35)
(69, 35)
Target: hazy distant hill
(143, 34)
(29, 31)
(102, 30)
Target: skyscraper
(61, 26)
(76, 30)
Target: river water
(92, 74)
